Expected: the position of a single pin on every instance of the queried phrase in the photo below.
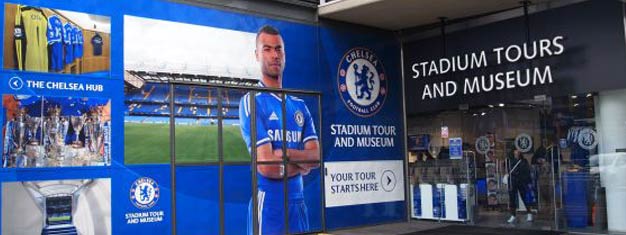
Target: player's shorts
(69, 53)
(56, 56)
(272, 214)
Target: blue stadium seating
(193, 104)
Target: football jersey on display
(31, 42)
(300, 128)
(97, 42)
(68, 40)
(55, 41)
(78, 43)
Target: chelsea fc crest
(362, 82)
(524, 143)
(299, 118)
(144, 193)
(587, 139)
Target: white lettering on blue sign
(64, 86)
(364, 136)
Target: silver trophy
(94, 132)
(77, 123)
(33, 124)
(34, 150)
(54, 136)
(19, 134)
(57, 200)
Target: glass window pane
(195, 196)
(147, 124)
(235, 149)
(196, 130)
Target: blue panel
(52, 173)
(1, 185)
(51, 85)
(350, 216)
(237, 194)
(122, 206)
(335, 40)
(313, 199)
(197, 200)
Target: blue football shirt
(300, 126)
(78, 43)
(55, 42)
(300, 129)
(68, 40)
(97, 43)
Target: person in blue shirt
(55, 43)
(301, 137)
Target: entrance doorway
(532, 164)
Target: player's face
(270, 53)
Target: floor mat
(474, 230)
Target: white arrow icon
(16, 83)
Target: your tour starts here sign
(477, 79)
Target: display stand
(446, 196)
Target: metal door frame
(253, 163)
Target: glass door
(514, 183)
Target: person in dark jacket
(519, 178)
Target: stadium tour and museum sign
(478, 82)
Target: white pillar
(611, 120)
(611, 131)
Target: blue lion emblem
(145, 192)
(368, 95)
(364, 82)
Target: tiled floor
(392, 229)
(494, 220)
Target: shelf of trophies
(442, 189)
(56, 132)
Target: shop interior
(460, 160)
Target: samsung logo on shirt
(291, 136)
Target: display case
(443, 189)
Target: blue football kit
(78, 43)
(55, 43)
(97, 42)
(300, 128)
(68, 40)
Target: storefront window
(559, 156)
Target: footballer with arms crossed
(301, 141)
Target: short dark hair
(268, 29)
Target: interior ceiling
(402, 14)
